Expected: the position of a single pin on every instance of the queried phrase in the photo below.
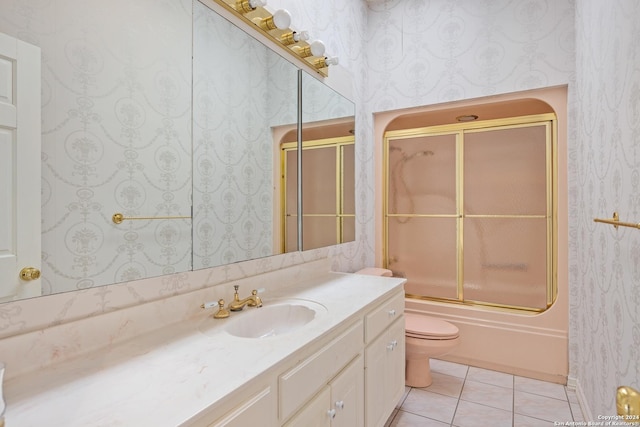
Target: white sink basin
(273, 319)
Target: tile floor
(465, 396)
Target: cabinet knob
(331, 413)
(394, 343)
(392, 313)
(390, 347)
(340, 404)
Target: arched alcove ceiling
(488, 111)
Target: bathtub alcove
(478, 224)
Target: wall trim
(587, 414)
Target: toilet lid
(428, 327)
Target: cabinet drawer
(254, 411)
(297, 385)
(383, 316)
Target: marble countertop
(169, 376)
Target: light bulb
(282, 19)
(333, 60)
(301, 35)
(317, 48)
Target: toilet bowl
(425, 337)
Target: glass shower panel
(422, 175)
(319, 185)
(505, 171)
(505, 261)
(424, 251)
(319, 231)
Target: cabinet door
(347, 395)
(384, 374)
(315, 413)
(396, 363)
(255, 411)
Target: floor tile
(445, 384)
(524, 421)
(542, 407)
(469, 414)
(490, 377)
(448, 368)
(463, 396)
(406, 419)
(487, 394)
(431, 405)
(542, 388)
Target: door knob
(29, 273)
(628, 402)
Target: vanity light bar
(276, 27)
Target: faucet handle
(222, 312)
(209, 304)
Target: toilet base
(418, 373)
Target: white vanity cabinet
(324, 378)
(384, 360)
(339, 404)
(343, 368)
(352, 377)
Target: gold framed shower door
(454, 201)
(328, 187)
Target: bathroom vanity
(337, 359)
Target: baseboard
(587, 414)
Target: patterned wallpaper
(241, 90)
(605, 323)
(396, 54)
(116, 95)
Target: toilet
(425, 337)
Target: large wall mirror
(161, 108)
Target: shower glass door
(422, 214)
(506, 217)
(469, 212)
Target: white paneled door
(19, 169)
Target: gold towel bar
(615, 221)
(117, 218)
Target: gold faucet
(252, 301)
